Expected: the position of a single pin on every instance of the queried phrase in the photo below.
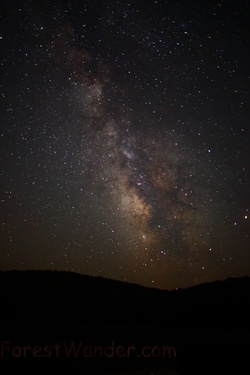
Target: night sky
(124, 139)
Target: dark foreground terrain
(55, 322)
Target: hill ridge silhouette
(207, 323)
(37, 294)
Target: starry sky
(124, 139)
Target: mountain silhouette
(66, 295)
(205, 327)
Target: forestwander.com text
(78, 349)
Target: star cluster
(125, 139)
